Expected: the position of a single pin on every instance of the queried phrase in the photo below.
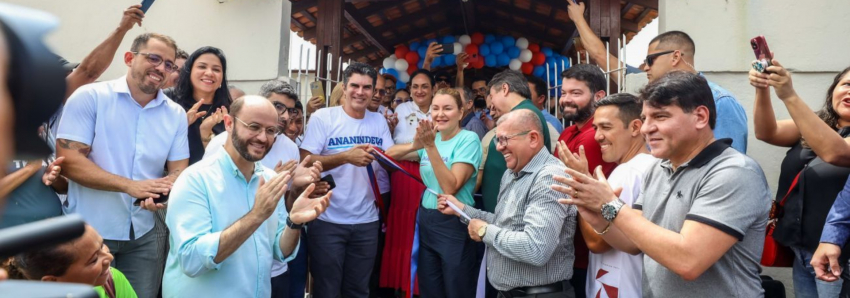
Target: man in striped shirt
(530, 236)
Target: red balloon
(477, 38)
(472, 49)
(538, 58)
(411, 68)
(534, 47)
(527, 68)
(400, 51)
(412, 58)
(479, 62)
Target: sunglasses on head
(650, 59)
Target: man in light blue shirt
(116, 136)
(227, 219)
(674, 50)
(538, 96)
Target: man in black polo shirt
(701, 218)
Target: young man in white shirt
(345, 238)
(115, 137)
(617, 124)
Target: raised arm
(594, 46)
(96, 62)
(15, 179)
(460, 61)
(778, 133)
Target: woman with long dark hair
(202, 91)
(814, 169)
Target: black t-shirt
(801, 223)
(196, 146)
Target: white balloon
(389, 62)
(525, 55)
(515, 64)
(458, 48)
(394, 57)
(401, 65)
(465, 40)
(522, 43)
(403, 76)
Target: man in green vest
(509, 92)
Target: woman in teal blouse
(449, 165)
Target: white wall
(252, 33)
(808, 37)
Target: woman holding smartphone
(449, 165)
(202, 91)
(818, 162)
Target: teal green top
(123, 289)
(465, 147)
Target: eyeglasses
(399, 100)
(271, 131)
(157, 60)
(483, 90)
(281, 108)
(503, 140)
(650, 59)
(381, 92)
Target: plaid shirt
(530, 237)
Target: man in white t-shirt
(344, 240)
(613, 273)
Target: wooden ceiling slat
(649, 4)
(357, 19)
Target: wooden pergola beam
(468, 9)
(649, 4)
(626, 25)
(410, 19)
(359, 21)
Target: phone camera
(754, 45)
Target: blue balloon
(539, 71)
(513, 52)
(547, 51)
(490, 61)
(421, 51)
(448, 39)
(565, 62)
(400, 85)
(508, 41)
(484, 50)
(496, 48)
(503, 59)
(429, 42)
(449, 59)
(551, 62)
(436, 63)
(420, 63)
(413, 47)
(489, 38)
(391, 71)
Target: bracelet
(608, 227)
(292, 225)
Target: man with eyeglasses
(529, 237)
(226, 222)
(115, 137)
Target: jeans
(280, 285)
(342, 257)
(806, 285)
(140, 261)
(446, 256)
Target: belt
(525, 291)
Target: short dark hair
(591, 75)
(425, 72)
(142, 41)
(361, 69)
(684, 89)
(677, 40)
(401, 90)
(391, 78)
(278, 87)
(480, 78)
(236, 106)
(539, 85)
(628, 106)
(181, 54)
(515, 80)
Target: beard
(242, 147)
(581, 114)
(140, 76)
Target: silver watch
(611, 209)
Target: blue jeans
(806, 285)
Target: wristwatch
(292, 225)
(611, 209)
(482, 230)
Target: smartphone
(146, 4)
(760, 49)
(317, 90)
(448, 48)
(163, 198)
(330, 180)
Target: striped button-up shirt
(530, 237)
